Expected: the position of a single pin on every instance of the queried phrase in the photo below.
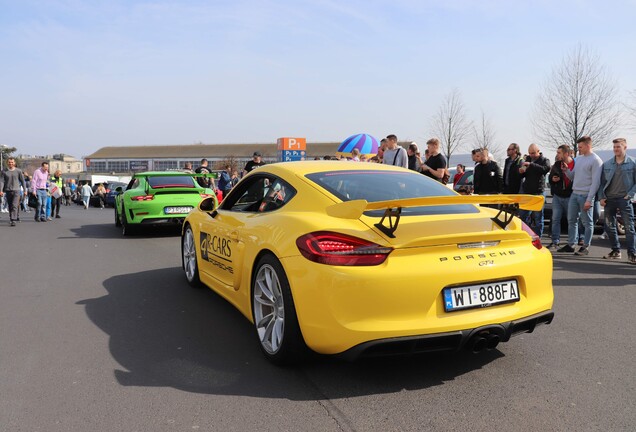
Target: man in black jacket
(487, 178)
(561, 188)
(533, 171)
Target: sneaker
(614, 254)
(12, 223)
(583, 251)
(567, 249)
(49, 218)
(631, 258)
(58, 217)
(553, 245)
(581, 243)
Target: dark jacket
(562, 188)
(511, 172)
(487, 178)
(534, 177)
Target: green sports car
(157, 197)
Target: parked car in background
(111, 192)
(452, 171)
(464, 185)
(157, 198)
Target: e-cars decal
(213, 247)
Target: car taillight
(142, 198)
(536, 241)
(339, 249)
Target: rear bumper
(171, 220)
(450, 341)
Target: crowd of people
(579, 185)
(46, 193)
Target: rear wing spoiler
(172, 174)
(392, 208)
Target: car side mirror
(119, 189)
(208, 204)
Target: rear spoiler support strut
(509, 211)
(390, 213)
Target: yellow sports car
(360, 259)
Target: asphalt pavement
(100, 332)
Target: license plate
(481, 295)
(178, 210)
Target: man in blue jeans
(561, 187)
(618, 187)
(39, 189)
(586, 178)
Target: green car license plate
(178, 210)
(482, 295)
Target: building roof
(194, 151)
(268, 150)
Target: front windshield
(378, 185)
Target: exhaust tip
(492, 342)
(479, 344)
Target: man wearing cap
(254, 163)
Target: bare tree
(631, 110)
(578, 98)
(450, 125)
(484, 135)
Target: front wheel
(189, 258)
(274, 313)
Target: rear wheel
(189, 258)
(126, 228)
(274, 313)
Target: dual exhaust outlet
(483, 341)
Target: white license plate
(481, 295)
(177, 210)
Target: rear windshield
(171, 181)
(388, 185)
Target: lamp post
(2, 147)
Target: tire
(117, 220)
(126, 228)
(189, 258)
(274, 314)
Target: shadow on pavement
(110, 231)
(165, 333)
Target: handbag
(445, 177)
(33, 201)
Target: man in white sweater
(586, 178)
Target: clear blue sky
(79, 75)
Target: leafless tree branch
(578, 98)
(450, 125)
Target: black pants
(55, 206)
(13, 201)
